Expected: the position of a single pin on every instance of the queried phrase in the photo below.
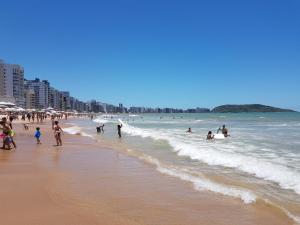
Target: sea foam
(286, 177)
(199, 182)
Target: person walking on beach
(102, 128)
(52, 121)
(37, 135)
(28, 117)
(57, 133)
(11, 132)
(11, 119)
(119, 130)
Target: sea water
(259, 161)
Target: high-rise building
(41, 90)
(2, 91)
(29, 99)
(54, 100)
(12, 82)
(65, 100)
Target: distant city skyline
(179, 54)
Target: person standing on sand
(119, 130)
(28, 117)
(33, 117)
(6, 135)
(37, 135)
(52, 121)
(57, 133)
(11, 132)
(11, 119)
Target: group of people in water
(100, 129)
(210, 135)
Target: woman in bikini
(57, 133)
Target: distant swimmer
(210, 136)
(98, 130)
(224, 131)
(119, 130)
(189, 130)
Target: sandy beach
(93, 182)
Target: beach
(88, 181)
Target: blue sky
(165, 53)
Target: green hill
(248, 108)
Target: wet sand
(89, 182)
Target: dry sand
(87, 182)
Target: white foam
(75, 130)
(100, 120)
(72, 130)
(201, 183)
(133, 115)
(212, 154)
(87, 135)
(204, 184)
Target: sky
(165, 53)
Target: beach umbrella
(7, 103)
(10, 109)
(19, 109)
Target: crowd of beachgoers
(29, 118)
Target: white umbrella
(19, 109)
(7, 103)
(10, 109)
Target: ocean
(260, 161)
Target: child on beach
(37, 135)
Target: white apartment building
(41, 92)
(2, 92)
(54, 98)
(12, 82)
(29, 99)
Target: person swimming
(189, 130)
(224, 131)
(102, 128)
(210, 136)
(98, 130)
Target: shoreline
(88, 182)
